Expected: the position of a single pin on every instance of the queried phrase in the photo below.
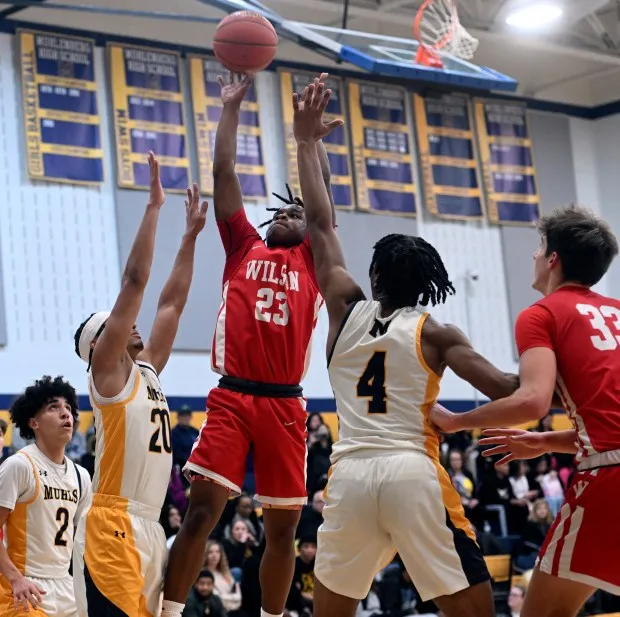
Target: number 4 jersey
(383, 386)
(583, 330)
(270, 305)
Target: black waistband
(257, 388)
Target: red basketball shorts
(276, 430)
(583, 544)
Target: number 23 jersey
(270, 305)
(582, 328)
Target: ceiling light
(534, 16)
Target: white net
(439, 27)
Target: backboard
(377, 54)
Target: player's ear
(92, 343)
(553, 260)
(32, 423)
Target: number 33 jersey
(382, 385)
(270, 305)
(582, 328)
(133, 450)
(45, 500)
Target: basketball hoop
(437, 28)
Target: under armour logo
(119, 534)
(42, 472)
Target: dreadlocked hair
(409, 272)
(38, 395)
(290, 201)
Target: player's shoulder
(18, 463)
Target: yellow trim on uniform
(111, 556)
(449, 495)
(116, 570)
(113, 417)
(418, 347)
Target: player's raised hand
(26, 594)
(308, 122)
(322, 77)
(235, 87)
(195, 212)
(157, 196)
(514, 443)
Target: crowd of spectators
(510, 506)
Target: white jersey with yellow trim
(46, 500)
(383, 387)
(133, 448)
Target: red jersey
(270, 306)
(583, 330)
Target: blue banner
(147, 96)
(507, 162)
(207, 103)
(336, 143)
(382, 155)
(63, 128)
(448, 157)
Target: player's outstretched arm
(227, 197)
(537, 378)
(336, 284)
(174, 294)
(109, 370)
(516, 444)
(457, 353)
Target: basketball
(245, 42)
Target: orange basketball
(245, 42)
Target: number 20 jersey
(383, 387)
(270, 305)
(133, 453)
(583, 330)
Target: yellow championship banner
(448, 159)
(207, 104)
(149, 114)
(336, 143)
(382, 154)
(61, 114)
(507, 162)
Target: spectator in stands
(76, 448)
(244, 510)
(3, 429)
(516, 598)
(545, 424)
(183, 436)
(550, 483)
(170, 520)
(18, 442)
(238, 547)
(225, 585)
(538, 524)
(318, 458)
(202, 601)
(523, 486)
(302, 589)
(488, 542)
(464, 483)
(178, 492)
(496, 490)
(88, 460)
(313, 423)
(311, 516)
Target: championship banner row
(465, 162)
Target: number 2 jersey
(583, 330)
(46, 499)
(133, 453)
(383, 387)
(270, 305)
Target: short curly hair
(35, 397)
